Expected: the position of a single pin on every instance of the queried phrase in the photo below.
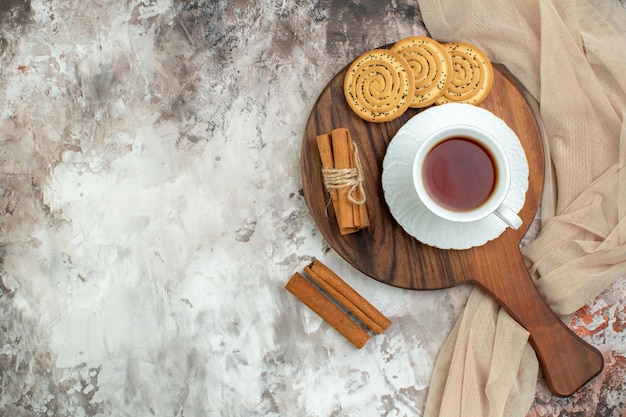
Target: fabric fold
(490, 356)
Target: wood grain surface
(388, 254)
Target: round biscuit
(378, 85)
(430, 65)
(471, 76)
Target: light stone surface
(151, 212)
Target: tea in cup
(462, 174)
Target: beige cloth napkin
(571, 56)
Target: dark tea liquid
(459, 174)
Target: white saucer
(402, 199)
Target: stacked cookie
(416, 72)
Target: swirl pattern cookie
(472, 74)
(430, 65)
(379, 86)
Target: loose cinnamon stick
(341, 299)
(348, 297)
(304, 291)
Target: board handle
(567, 361)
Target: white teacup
(462, 174)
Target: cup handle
(508, 216)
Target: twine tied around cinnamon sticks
(343, 177)
(351, 178)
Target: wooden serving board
(388, 254)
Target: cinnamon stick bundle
(340, 162)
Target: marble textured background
(151, 213)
